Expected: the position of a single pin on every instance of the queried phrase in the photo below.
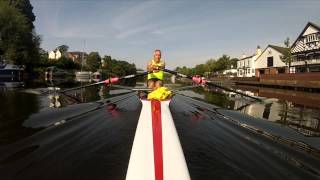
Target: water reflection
(88, 94)
(298, 110)
(15, 107)
(18, 105)
(10, 84)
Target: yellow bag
(162, 93)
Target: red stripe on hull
(157, 139)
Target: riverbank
(298, 81)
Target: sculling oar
(199, 80)
(106, 82)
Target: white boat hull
(156, 152)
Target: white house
(56, 54)
(269, 62)
(52, 55)
(306, 50)
(246, 66)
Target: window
(312, 37)
(270, 61)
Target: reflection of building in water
(297, 109)
(304, 120)
(8, 84)
(54, 101)
(55, 73)
(268, 111)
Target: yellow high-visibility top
(159, 74)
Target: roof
(246, 57)
(277, 48)
(304, 29)
(281, 50)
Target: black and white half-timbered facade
(306, 50)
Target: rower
(155, 66)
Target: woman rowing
(155, 66)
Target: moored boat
(10, 70)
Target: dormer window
(312, 38)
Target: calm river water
(85, 146)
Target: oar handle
(111, 80)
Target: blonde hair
(157, 50)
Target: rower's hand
(156, 68)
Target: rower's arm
(163, 65)
(149, 67)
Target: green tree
(210, 65)
(18, 42)
(93, 61)
(223, 63)
(106, 61)
(184, 70)
(287, 56)
(44, 60)
(65, 63)
(63, 48)
(118, 70)
(113, 67)
(233, 63)
(200, 69)
(24, 7)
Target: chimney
(243, 56)
(258, 51)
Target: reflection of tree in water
(12, 117)
(266, 111)
(104, 92)
(283, 113)
(299, 117)
(91, 94)
(86, 94)
(215, 98)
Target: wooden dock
(298, 81)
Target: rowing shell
(156, 152)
